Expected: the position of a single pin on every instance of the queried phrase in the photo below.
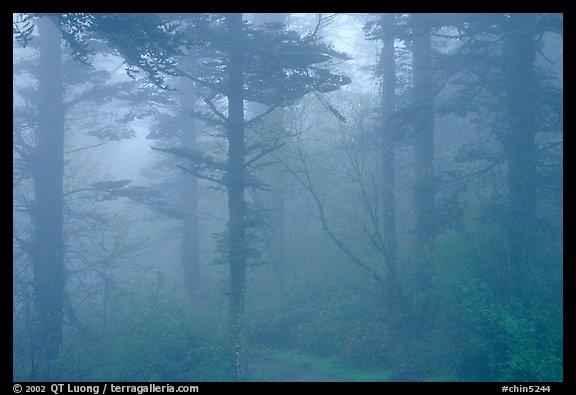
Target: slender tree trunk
(519, 143)
(190, 228)
(423, 149)
(388, 97)
(413, 341)
(48, 255)
(236, 201)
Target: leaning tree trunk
(519, 143)
(423, 149)
(236, 201)
(48, 254)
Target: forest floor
(284, 366)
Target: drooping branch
(260, 116)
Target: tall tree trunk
(190, 229)
(388, 97)
(423, 149)
(414, 339)
(48, 255)
(519, 144)
(236, 201)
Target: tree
(495, 74)
(383, 28)
(48, 244)
(268, 65)
(190, 223)
(423, 146)
(389, 134)
(519, 139)
(236, 203)
(63, 91)
(509, 45)
(175, 125)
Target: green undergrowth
(322, 365)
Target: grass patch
(327, 366)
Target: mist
(288, 197)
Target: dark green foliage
(493, 334)
(146, 41)
(279, 66)
(155, 342)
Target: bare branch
(330, 108)
(215, 110)
(264, 152)
(307, 184)
(257, 117)
(72, 192)
(84, 148)
(322, 22)
(551, 61)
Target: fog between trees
(287, 197)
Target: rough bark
(48, 254)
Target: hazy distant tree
(519, 102)
(177, 126)
(383, 28)
(520, 87)
(48, 243)
(423, 144)
(389, 134)
(190, 223)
